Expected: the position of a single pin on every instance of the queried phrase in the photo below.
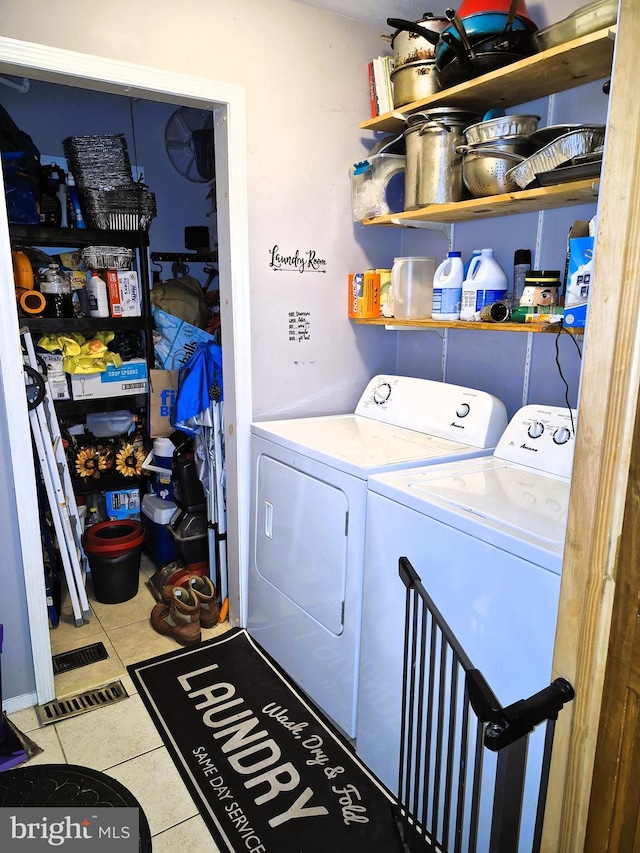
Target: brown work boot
(205, 593)
(180, 618)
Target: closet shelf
(506, 204)
(39, 235)
(574, 63)
(437, 325)
(184, 257)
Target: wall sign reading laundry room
(299, 261)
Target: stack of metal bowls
(493, 147)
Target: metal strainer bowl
(484, 170)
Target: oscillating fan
(188, 139)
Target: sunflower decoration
(106, 459)
(129, 461)
(88, 463)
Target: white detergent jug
(412, 288)
(486, 282)
(447, 288)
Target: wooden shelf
(390, 322)
(566, 66)
(506, 204)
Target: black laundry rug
(268, 772)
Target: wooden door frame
(605, 442)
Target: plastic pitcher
(412, 288)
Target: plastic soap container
(447, 288)
(486, 282)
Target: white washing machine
(309, 484)
(486, 537)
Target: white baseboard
(19, 703)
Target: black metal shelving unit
(78, 238)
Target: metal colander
(484, 168)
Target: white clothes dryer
(309, 484)
(486, 537)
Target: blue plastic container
(159, 543)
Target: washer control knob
(535, 429)
(562, 435)
(463, 410)
(382, 393)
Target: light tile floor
(120, 739)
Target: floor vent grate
(62, 709)
(66, 661)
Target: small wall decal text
(298, 262)
(299, 326)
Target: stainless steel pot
(413, 82)
(433, 173)
(416, 42)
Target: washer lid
(360, 445)
(512, 496)
(512, 506)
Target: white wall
(304, 72)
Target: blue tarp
(199, 383)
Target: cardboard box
(579, 274)
(163, 388)
(123, 503)
(124, 293)
(575, 315)
(364, 295)
(130, 378)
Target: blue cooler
(163, 486)
(159, 543)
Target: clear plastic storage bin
(377, 186)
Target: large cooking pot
(433, 172)
(482, 43)
(415, 42)
(413, 82)
(472, 7)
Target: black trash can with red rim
(114, 549)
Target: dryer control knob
(535, 429)
(562, 435)
(463, 410)
(382, 393)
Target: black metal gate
(463, 757)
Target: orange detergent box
(364, 294)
